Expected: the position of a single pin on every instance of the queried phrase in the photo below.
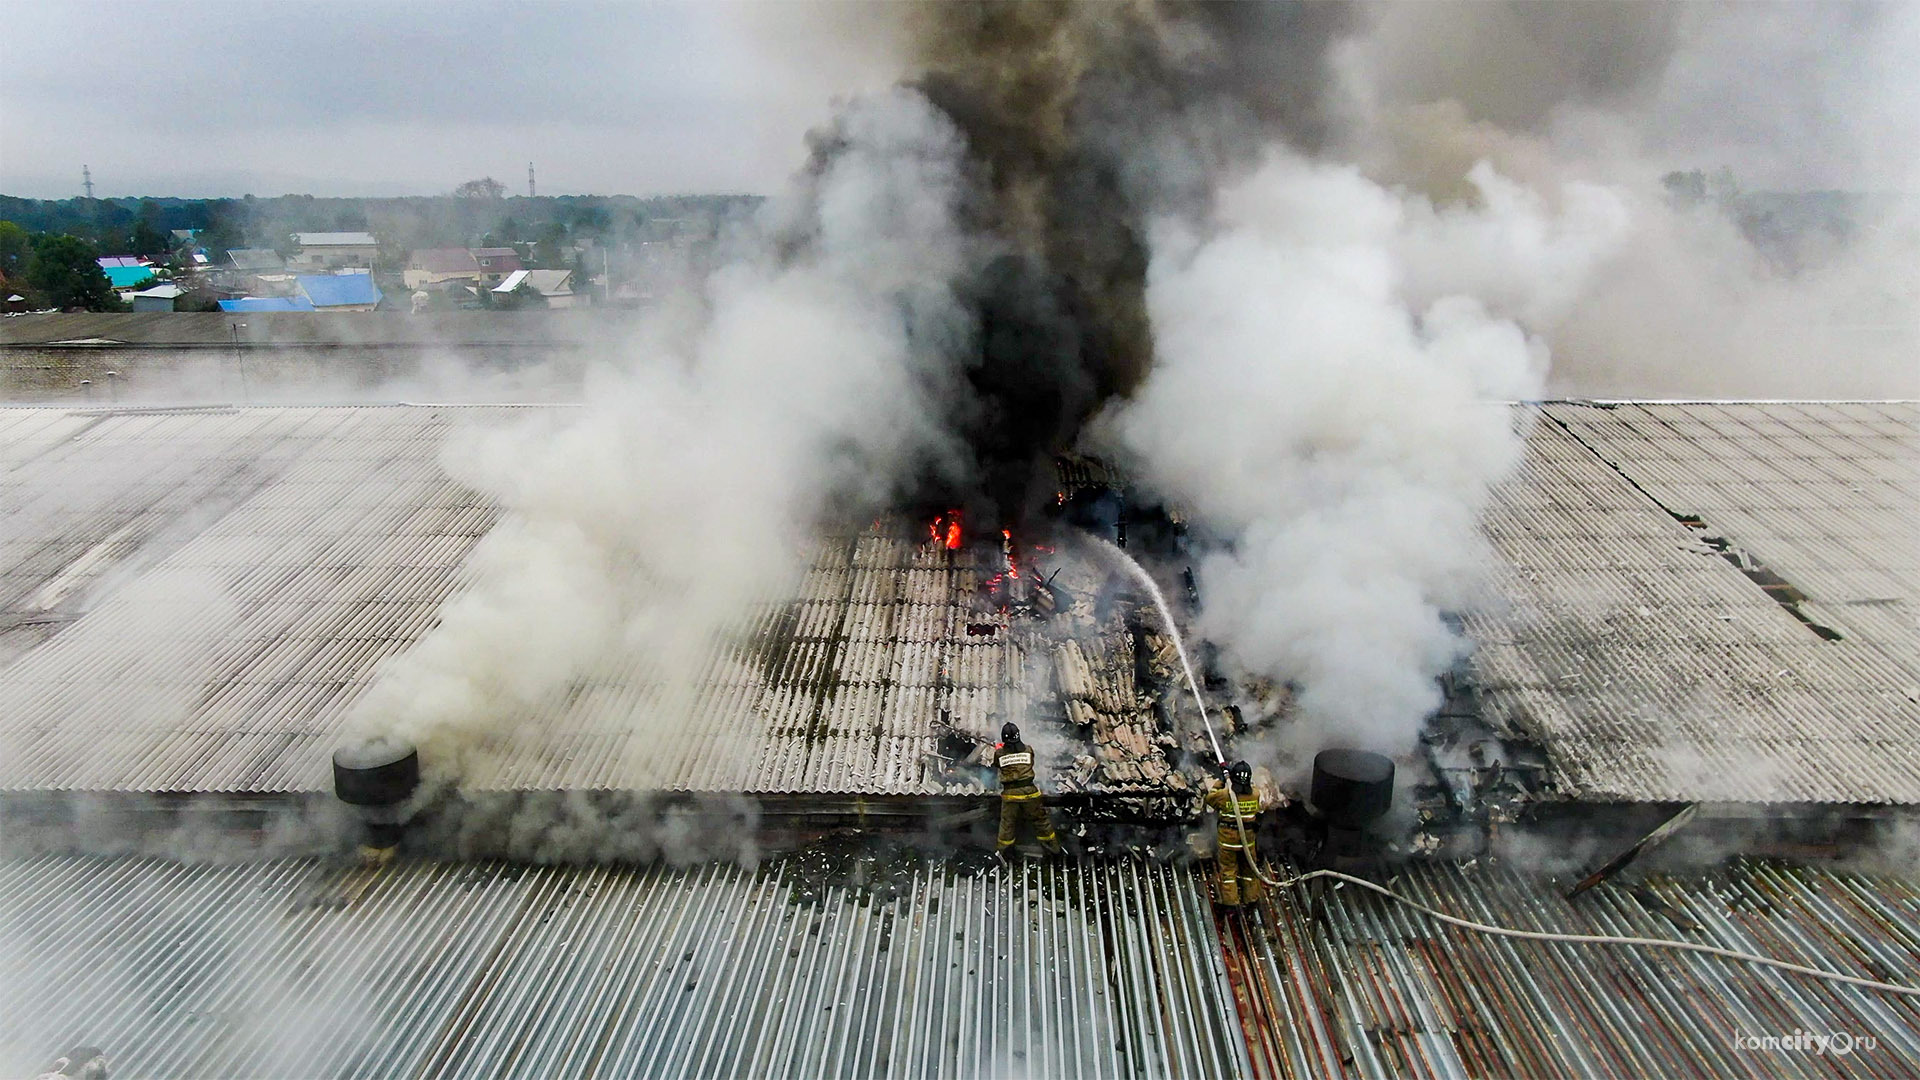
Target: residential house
(554, 287)
(125, 279)
(339, 292)
(257, 261)
(432, 266)
(159, 298)
(495, 264)
(267, 303)
(334, 251)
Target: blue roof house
(339, 292)
(125, 278)
(267, 303)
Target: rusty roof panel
(1352, 984)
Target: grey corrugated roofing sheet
(302, 969)
(1647, 665)
(1350, 984)
(195, 597)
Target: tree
(66, 272)
(148, 238)
(484, 188)
(15, 247)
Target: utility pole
(86, 179)
(529, 179)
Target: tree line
(48, 246)
(480, 215)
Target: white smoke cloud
(687, 487)
(1799, 275)
(1330, 358)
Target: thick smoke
(1330, 359)
(1783, 262)
(687, 487)
(1293, 255)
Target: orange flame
(946, 530)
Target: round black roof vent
(1351, 787)
(376, 772)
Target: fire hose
(1610, 939)
(1240, 823)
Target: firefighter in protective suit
(1020, 803)
(1238, 884)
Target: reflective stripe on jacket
(1229, 833)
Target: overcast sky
(193, 98)
(198, 98)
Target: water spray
(1139, 573)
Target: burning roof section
(192, 599)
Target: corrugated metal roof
(835, 692)
(1651, 668)
(297, 968)
(201, 594)
(1647, 665)
(1348, 983)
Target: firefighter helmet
(1009, 733)
(1242, 775)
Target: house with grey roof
(322, 251)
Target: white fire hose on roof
(1240, 822)
(1609, 939)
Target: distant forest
(481, 216)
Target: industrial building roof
(1651, 666)
(1349, 984)
(1107, 967)
(191, 599)
(300, 968)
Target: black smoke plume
(1072, 117)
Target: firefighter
(1019, 797)
(1238, 883)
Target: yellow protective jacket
(1229, 835)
